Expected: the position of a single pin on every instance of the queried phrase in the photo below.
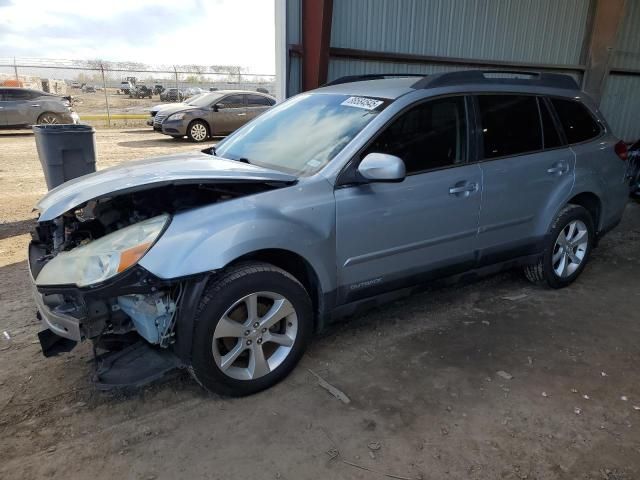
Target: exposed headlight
(176, 116)
(105, 257)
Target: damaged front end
(88, 284)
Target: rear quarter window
(576, 120)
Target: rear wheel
(252, 327)
(48, 118)
(569, 245)
(198, 131)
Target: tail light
(621, 150)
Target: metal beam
(435, 59)
(606, 23)
(316, 37)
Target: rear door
(20, 107)
(231, 114)
(527, 171)
(257, 104)
(390, 235)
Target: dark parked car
(22, 107)
(158, 89)
(140, 91)
(172, 95)
(214, 114)
(634, 169)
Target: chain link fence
(121, 93)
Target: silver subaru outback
(227, 261)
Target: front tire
(198, 131)
(569, 245)
(48, 118)
(253, 325)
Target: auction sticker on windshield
(362, 102)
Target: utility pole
(15, 69)
(106, 97)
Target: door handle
(241, 114)
(467, 188)
(558, 169)
(36, 105)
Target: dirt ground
(427, 401)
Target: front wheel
(198, 131)
(252, 327)
(568, 248)
(48, 118)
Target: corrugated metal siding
(294, 21)
(627, 51)
(621, 106)
(541, 31)
(339, 67)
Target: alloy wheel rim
(570, 248)
(49, 120)
(255, 335)
(198, 132)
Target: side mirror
(381, 167)
(215, 108)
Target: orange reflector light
(130, 256)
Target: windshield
(303, 134)
(203, 99)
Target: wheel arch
(296, 265)
(592, 203)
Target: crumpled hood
(139, 175)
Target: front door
(391, 235)
(18, 107)
(230, 115)
(527, 175)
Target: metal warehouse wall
(536, 31)
(432, 36)
(621, 99)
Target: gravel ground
(494, 379)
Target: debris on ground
(636, 407)
(574, 390)
(505, 375)
(577, 410)
(545, 394)
(374, 446)
(336, 392)
(372, 455)
(529, 361)
(486, 322)
(604, 374)
(586, 397)
(624, 398)
(514, 298)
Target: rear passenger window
(549, 130)
(429, 136)
(258, 101)
(578, 124)
(510, 124)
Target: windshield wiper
(244, 160)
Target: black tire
(543, 272)
(48, 118)
(233, 285)
(197, 124)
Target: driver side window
(232, 101)
(429, 136)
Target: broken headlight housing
(105, 257)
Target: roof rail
(498, 77)
(370, 76)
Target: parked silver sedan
(22, 107)
(215, 114)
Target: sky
(176, 32)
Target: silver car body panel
(358, 237)
(172, 169)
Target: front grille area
(158, 119)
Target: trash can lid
(62, 128)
